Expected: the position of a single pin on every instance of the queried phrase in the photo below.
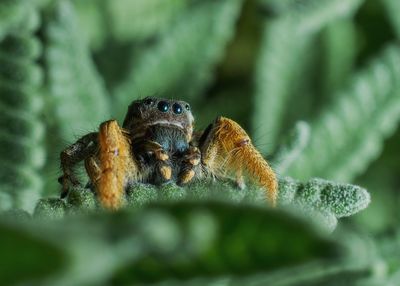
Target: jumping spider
(157, 144)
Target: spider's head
(152, 111)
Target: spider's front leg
(227, 150)
(116, 166)
(72, 155)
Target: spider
(157, 144)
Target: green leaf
(139, 20)
(51, 208)
(21, 129)
(78, 98)
(339, 41)
(275, 70)
(313, 15)
(178, 240)
(392, 8)
(25, 257)
(349, 134)
(324, 202)
(292, 148)
(285, 40)
(181, 61)
(340, 199)
(216, 238)
(12, 13)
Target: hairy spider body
(156, 144)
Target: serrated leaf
(181, 61)
(78, 96)
(21, 129)
(291, 148)
(339, 41)
(285, 40)
(12, 12)
(141, 19)
(349, 134)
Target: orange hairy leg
(228, 150)
(116, 165)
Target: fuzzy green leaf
(25, 257)
(181, 55)
(12, 13)
(181, 240)
(340, 199)
(392, 9)
(322, 201)
(214, 239)
(291, 149)
(348, 135)
(124, 21)
(284, 41)
(142, 19)
(313, 15)
(274, 71)
(21, 130)
(78, 98)
(50, 209)
(339, 41)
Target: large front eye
(177, 108)
(163, 106)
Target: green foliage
(12, 13)
(322, 201)
(125, 20)
(21, 131)
(203, 239)
(129, 23)
(339, 49)
(284, 41)
(292, 72)
(37, 258)
(223, 241)
(78, 98)
(292, 148)
(50, 209)
(392, 7)
(163, 68)
(355, 125)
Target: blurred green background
(315, 82)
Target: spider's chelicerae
(157, 144)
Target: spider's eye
(163, 106)
(187, 107)
(177, 108)
(149, 101)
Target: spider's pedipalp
(227, 151)
(190, 165)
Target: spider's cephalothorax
(156, 144)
